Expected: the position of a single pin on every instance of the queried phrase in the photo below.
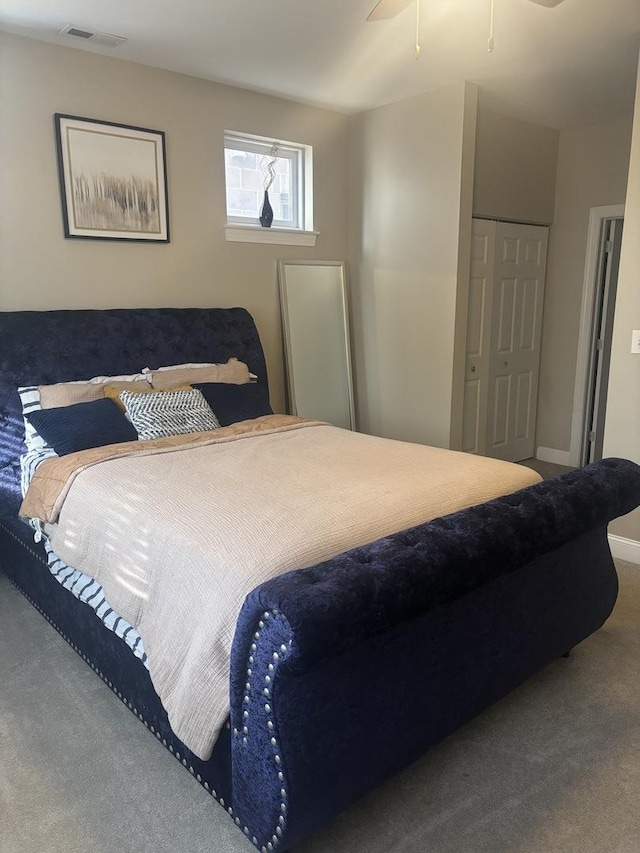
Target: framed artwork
(113, 180)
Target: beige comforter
(179, 530)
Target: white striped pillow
(37, 448)
(30, 399)
(165, 413)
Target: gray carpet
(553, 767)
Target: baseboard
(624, 549)
(558, 457)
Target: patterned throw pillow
(169, 413)
(113, 391)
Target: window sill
(279, 236)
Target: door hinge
(592, 435)
(600, 344)
(608, 246)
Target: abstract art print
(113, 180)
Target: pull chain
(490, 42)
(491, 19)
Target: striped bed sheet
(89, 591)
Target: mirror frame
(288, 354)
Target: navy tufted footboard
(344, 673)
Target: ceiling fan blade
(385, 9)
(549, 3)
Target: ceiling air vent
(106, 39)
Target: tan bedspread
(179, 530)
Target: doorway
(594, 345)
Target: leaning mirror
(315, 324)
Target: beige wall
(410, 194)
(622, 428)
(515, 169)
(40, 269)
(593, 164)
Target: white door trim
(596, 216)
(624, 549)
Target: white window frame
(248, 229)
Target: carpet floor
(552, 768)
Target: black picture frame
(113, 180)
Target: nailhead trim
(35, 554)
(277, 656)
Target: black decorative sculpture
(266, 214)
(268, 168)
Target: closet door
(506, 290)
(516, 326)
(476, 391)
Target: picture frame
(113, 180)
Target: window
(253, 164)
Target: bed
(344, 672)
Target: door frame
(589, 288)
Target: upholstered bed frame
(373, 656)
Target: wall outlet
(635, 341)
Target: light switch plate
(635, 341)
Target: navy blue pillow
(232, 403)
(80, 427)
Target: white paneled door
(506, 291)
(474, 418)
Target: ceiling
(563, 67)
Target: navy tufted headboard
(41, 347)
